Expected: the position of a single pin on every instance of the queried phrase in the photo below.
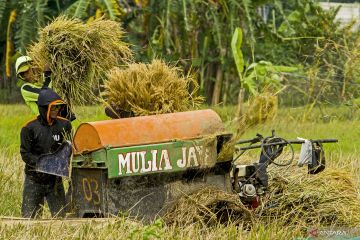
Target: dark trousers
(34, 196)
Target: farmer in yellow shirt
(31, 88)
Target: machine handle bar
(330, 140)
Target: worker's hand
(47, 68)
(47, 75)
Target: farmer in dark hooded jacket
(40, 136)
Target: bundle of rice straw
(262, 107)
(328, 198)
(79, 54)
(149, 89)
(208, 207)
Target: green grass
(13, 117)
(289, 123)
(125, 229)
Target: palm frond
(41, 10)
(247, 9)
(70, 11)
(235, 10)
(77, 9)
(113, 9)
(187, 27)
(81, 8)
(3, 4)
(257, 3)
(218, 39)
(26, 30)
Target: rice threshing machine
(140, 166)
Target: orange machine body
(92, 136)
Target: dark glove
(67, 113)
(47, 79)
(47, 75)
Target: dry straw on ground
(328, 198)
(79, 54)
(209, 206)
(148, 89)
(295, 198)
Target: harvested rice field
(296, 205)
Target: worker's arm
(30, 93)
(47, 79)
(25, 147)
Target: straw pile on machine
(149, 89)
(297, 198)
(79, 54)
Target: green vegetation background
(196, 35)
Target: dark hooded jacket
(43, 135)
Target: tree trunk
(2, 79)
(217, 88)
(209, 83)
(343, 91)
(240, 106)
(2, 69)
(226, 88)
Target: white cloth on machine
(305, 157)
